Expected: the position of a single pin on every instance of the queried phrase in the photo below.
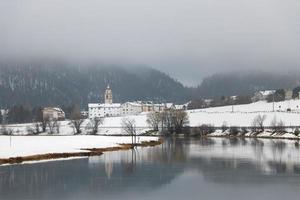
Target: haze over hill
(245, 83)
(188, 39)
(61, 83)
(64, 84)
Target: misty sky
(188, 39)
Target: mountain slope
(64, 84)
(244, 83)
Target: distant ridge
(59, 83)
(245, 83)
(64, 84)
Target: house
(147, 106)
(208, 102)
(288, 94)
(181, 107)
(106, 109)
(131, 108)
(84, 114)
(170, 106)
(53, 113)
(159, 107)
(262, 95)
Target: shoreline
(87, 153)
(254, 137)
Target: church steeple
(108, 97)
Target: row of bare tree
(168, 121)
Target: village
(107, 117)
(111, 109)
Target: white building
(131, 108)
(262, 95)
(108, 109)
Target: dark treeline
(233, 83)
(58, 84)
(221, 101)
(28, 114)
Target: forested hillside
(66, 84)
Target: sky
(188, 39)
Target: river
(180, 168)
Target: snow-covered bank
(17, 146)
(264, 134)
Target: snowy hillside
(243, 115)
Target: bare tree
(280, 127)
(274, 124)
(58, 126)
(76, 119)
(41, 121)
(224, 126)
(93, 125)
(206, 129)
(129, 127)
(4, 130)
(277, 126)
(153, 120)
(258, 122)
(37, 126)
(52, 125)
(30, 130)
(167, 120)
(180, 119)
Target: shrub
(234, 131)
(296, 132)
(244, 131)
(224, 127)
(207, 129)
(5, 131)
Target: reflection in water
(210, 167)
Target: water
(213, 168)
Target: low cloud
(187, 39)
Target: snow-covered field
(242, 115)
(110, 126)
(31, 145)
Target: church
(110, 109)
(106, 109)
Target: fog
(188, 39)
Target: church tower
(108, 97)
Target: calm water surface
(213, 168)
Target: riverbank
(18, 149)
(265, 134)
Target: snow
(267, 92)
(243, 115)
(31, 145)
(96, 105)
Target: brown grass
(87, 153)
